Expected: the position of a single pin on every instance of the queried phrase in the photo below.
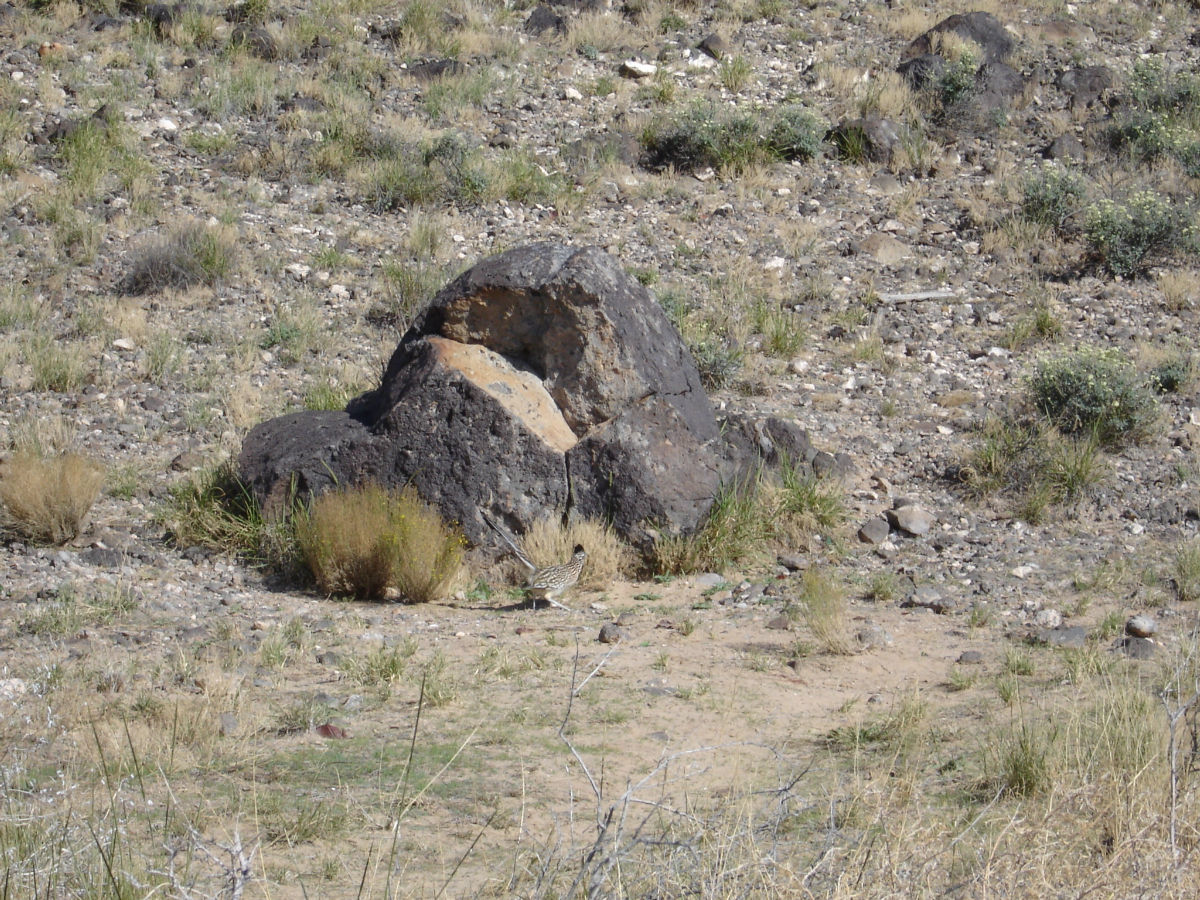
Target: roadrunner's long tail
(517, 551)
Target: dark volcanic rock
(1085, 85)
(982, 28)
(922, 71)
(544, 19)
(541, 381)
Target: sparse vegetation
(189, 255)
(1096, 392)
(214, 216)
(47, 499)
(362, 541)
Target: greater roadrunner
(549, 582)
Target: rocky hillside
(962, 252)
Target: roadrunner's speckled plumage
(549, 582)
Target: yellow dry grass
(47, 499)
(549, 542)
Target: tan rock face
(521, 394)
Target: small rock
(1134, 647)
(1141, 627)
(124, 344)
(611, 633)
(570, 93)
(1048, 618)
(634, 68)
(1074, 636)
(874, 531)
(911, 519)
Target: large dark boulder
(543, 381)
(980, 28)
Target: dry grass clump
(47, 499)
(823, 607)
(190, 255)
(549, 542)
(362, 541)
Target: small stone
(1134, 647)
(1141, 627)
(166, 126)
(794, 562)
(299, 271)
(874, 531)
(124, 344)
(611, 633)
(911, 519)
(570, 93)
(714, 45)
(635, 68)
(1048, 618)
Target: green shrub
(1161, 117)
(1051, 195)
(1094, 391)
(795, 133)
(702, 137)
(362, 541)
(1126, 236)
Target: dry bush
(364, 540)
(47, 500)
(548, 542)
(823, 606)
(189, 255)
(1180, 288)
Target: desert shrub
(215, 510)
(795, 133)
(1126, 236)
(548, 541)
(364, 540)
(47, 499)
(1161, 117)
(1052, 195)
(1093, 391)
(192, 254)
(701, 136)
